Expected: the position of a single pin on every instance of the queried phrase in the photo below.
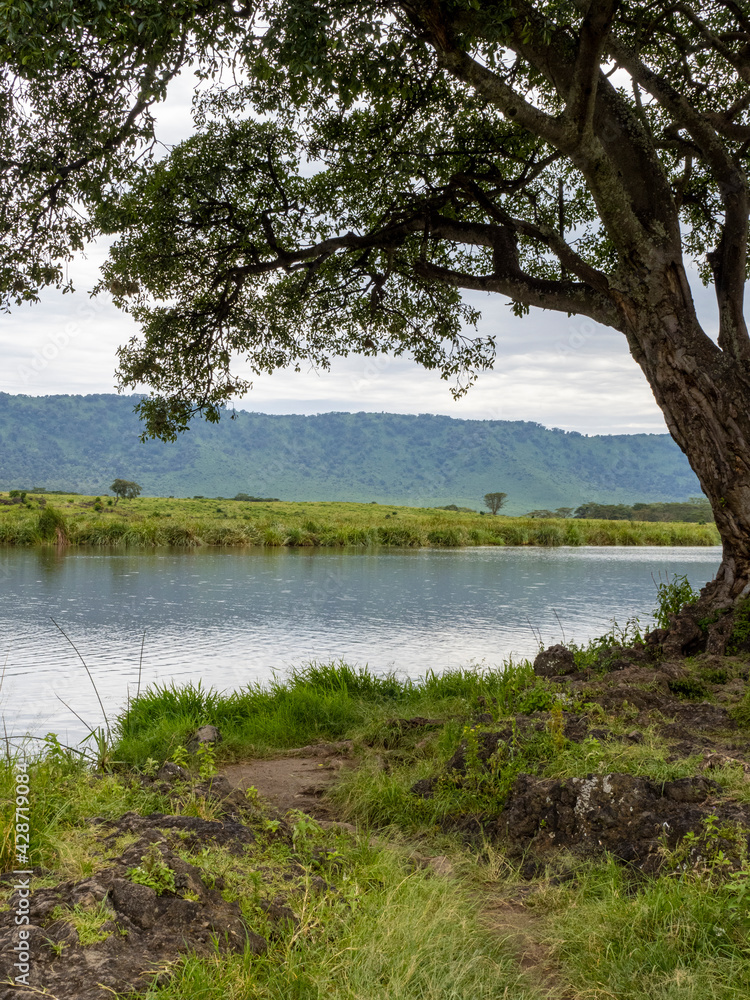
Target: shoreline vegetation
(474, 846)
(147, 522)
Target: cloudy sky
(558, 371)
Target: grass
(672, 939)
(317, 702)
(379, 927)
(385, 931)
(156, 521)
(385, 926)
(64, 791)
(333, 701)
(88, 921)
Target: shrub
(51, 526)
(671, 597)
(688, 687)
(445, 536)
(549, 534)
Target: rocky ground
(633, 817)
(140, 929)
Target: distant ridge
(82, 443)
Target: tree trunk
(704, 394)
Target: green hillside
(82, 443)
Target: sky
(559, 371)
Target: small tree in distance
(125, 488)
(494, 501)
(560, 512)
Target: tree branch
(703, 133)
(729, 259)
(560, 296)
(716, 43)
(546, 235)
(427, 17)
(616, 152)
(581, 97)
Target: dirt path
(300, 779)
(520, 930)
(297, 780)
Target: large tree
(356, 164)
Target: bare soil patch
(297, 780)
(521, 930)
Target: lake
(230, 617)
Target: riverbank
(155, 521)
(479, 834)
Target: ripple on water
(231, 618)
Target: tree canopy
(125, 488)
(494, 501)
(355, 166)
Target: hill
(82, 443)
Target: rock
(692, 718)
(217, 787)
(556, 661)
(170, 773)
(146, 930)
(194, 831)
(614, 658)
(206, 734)
(280, 915)
(627, 815)
(714, 760)
(483, 719)
(138, 903)
(684, 638)
(424, 788)
(439, 864)
(338, 825)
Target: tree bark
(705, 396)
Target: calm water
(229, 618)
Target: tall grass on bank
(374, 926)
(388, 933)
(373, 920)
(63, 792)
(155, 522)
(317, 702)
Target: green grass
(651, 759)
(386, 926)
(63, 792)
(334, 701)
(156, 521)
(87, 920)
(381, 928)
(317, 702)
(384, 931)
(665, 939)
